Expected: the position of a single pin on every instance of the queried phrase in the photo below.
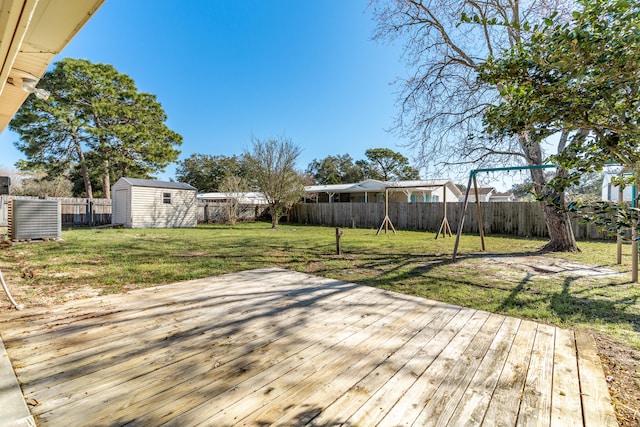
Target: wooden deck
(273, 347)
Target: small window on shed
(166, 198)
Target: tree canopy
(95, 120)
(207, 172)
(581, 76)
(380, 163)
(442, 103)
(387, 165)
(335, 170)
(38, 184)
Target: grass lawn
(113, 260)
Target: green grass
(415, 263)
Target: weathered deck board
(407, 409)
(473, 404)
(503, 408)
(535, 408)
(273, 347)
(319, 368)
(127, 359)
(566, 408)
(444, 401)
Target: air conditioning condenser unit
(34, 219)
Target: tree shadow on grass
(511, 300)
(569, 305)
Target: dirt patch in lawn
(36, 296)
(542, 265)
(622, 370)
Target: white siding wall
(439, 192)
(610, 191)
(401, 196)
(149, 211)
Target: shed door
(120, 214)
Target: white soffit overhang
(32, 33)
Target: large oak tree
(387, 165)
(582, 76)
(338, 169)
(441, 101)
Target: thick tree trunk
(83, 170)
(560, 231)
(558, 222)
(561, 237)
(106, 181)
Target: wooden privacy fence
(523, 219)
(74, 211)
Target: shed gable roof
(137, 182)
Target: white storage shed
(145, 203)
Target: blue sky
(225, 70)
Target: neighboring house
(249, 198)
(503, 197)
(484, 194)
(145, 203)
(611, 191)
(372, 191)
(489, 194)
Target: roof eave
(32, 33)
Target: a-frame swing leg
(386, 222)
(444, 229)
